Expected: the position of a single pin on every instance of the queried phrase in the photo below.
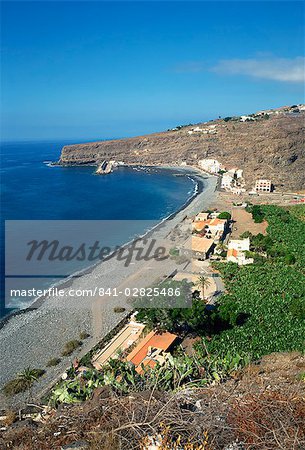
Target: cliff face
(264, 148)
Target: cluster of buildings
(282, 110)
(207, 231)
(233, 181)
(294, 109)
(237, 249)
(246, 118)
(210, 129)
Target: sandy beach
(33, 338)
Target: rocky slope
(268, 147)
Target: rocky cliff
(264, 146)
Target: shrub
(70, 347)
(224, 215)
(22, 382)
(38, 372)
(84, 335)
(176, 320)
(14, 387)
(257, 214)
(123, 378)
(174, 252)
(53, 362)
(270, 418)
(245, 235)
(119, 309)
(289, 259)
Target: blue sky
(109, 69)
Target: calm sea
(30, 189)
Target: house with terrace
(152, 350)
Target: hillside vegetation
(238, 385)
(265, 302)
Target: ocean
(32, 189)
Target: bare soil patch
(243, 222)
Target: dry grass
(262, 407)
(269, 420)
(10, 418)
(70, 347)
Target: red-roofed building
(151, 350)
(215, 228)
(232, 252)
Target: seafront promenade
(33, 338)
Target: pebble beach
(31, 339)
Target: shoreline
(31, 337)
(191, 172)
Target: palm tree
(203, 282)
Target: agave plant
(27, 377)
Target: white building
(238, 257)
(236, 251)
(240, 244)
(210, 165)
(238, 190)
(227, 180)
(215, 228)
(233, 180)
(239, 173)
(263, 186)
(195, 130)
(246, 118)
(210, 130)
